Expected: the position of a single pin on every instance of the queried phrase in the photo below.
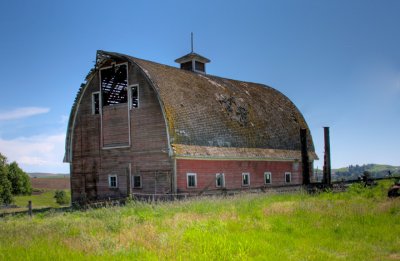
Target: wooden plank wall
(115, 125)
(147, 156)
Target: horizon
(315, 168)
(338, 62)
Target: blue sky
(338, 61)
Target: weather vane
(192, 40)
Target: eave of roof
(230, 153)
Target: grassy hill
(361, 224)
(370, 167)
(375, 170)
(354, 171)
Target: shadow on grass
(36, 211)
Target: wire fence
(158, 198)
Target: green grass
(361, 224)
(377, 168)
(43, 200)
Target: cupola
(192, 61)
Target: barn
(144, 128)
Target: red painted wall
(206, 170)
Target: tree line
(13, 181)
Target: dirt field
(50, 183)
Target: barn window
(137, 181)
(288, 177)
(112, 181)
(96, 103)
(220, 180)
(187, 66)
(267, 177)
(191, 180)
(245, 179)
(113, 83)
(133, 94)
(199, 66)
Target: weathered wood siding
(147, 156)
(115, 127)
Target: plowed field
(50, 183)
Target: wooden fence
(155, 198)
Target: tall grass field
(360, 224)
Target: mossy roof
(211, 111)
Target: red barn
(141, 127)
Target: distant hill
(355, 171)
(376, 171)
(47, 175)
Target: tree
(20, 182)
(3, 160)
(13, 181)
(5, 186)
(61, 197)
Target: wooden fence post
(30, 208)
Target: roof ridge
(185, 71)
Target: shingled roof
(210, 111)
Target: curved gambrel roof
(202, 110)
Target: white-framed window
(112, 181)
(133, 96)
(267, 178)
(220, 180)
(191, 180)
(245, 179)
(137, 181)
(95, 102)
(288, 177)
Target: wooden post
(155, 182)
(327, 158)
(30, 208)
(128, 181)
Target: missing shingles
(235, 108)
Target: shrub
(61, 197)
